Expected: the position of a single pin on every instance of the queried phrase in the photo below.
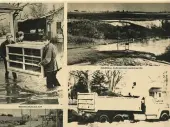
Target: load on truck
(109, 108)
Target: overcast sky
(144, 78)
(148, 7)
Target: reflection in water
(11, 93)
(155, 46)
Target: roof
(37, 45)
(44, 16)
(5, 6)
(155, 89)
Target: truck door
(151, 108)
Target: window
(59, 29)
(159, 94)
(151, 94)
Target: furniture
(24, 57)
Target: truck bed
(93, 102)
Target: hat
(9, 34)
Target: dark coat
(3, 48)
(49, 58)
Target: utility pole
(30, 118)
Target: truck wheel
(104, 118)
(118, 118)
(164, 117)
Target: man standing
(50, 65)
(3, 54)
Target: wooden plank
(31, 64)
(15, 61)
(15, 54)
(27, 46)
(32, 56)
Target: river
(156, 47)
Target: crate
(24, 58)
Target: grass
(85, 55)
(165, 56)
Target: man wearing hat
(3, 54)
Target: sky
(146, 7)
(144, 78)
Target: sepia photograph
(31, 53)
(31, 118)
(118, 34)
(120, 98)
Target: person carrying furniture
(3, 54)
(50, 65)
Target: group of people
(49, 60)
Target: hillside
(105, 30)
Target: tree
(81, 85)
(98, 79)
(38, 10)
(114, 77)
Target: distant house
(48, 26)
(12, 11)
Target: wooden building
(48, 26)
(12, 11)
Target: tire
(104, 118)
(118, 118)
(164, 116)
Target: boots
(6, 75)
(14, 76)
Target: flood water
(154, 46)
(10, 92)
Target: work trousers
(7, 72)
(51, 79)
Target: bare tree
(38, 10)
(114, 77)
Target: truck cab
(105, 108)
(156, 104)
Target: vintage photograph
(120, 98)
(31, 118)
(118, 34)
(31, 53)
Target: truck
(110, 108)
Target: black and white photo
(31, 53)
(31, 118)
(118, 34)
(118, 97)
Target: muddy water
(10, 92)
(153, 46)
